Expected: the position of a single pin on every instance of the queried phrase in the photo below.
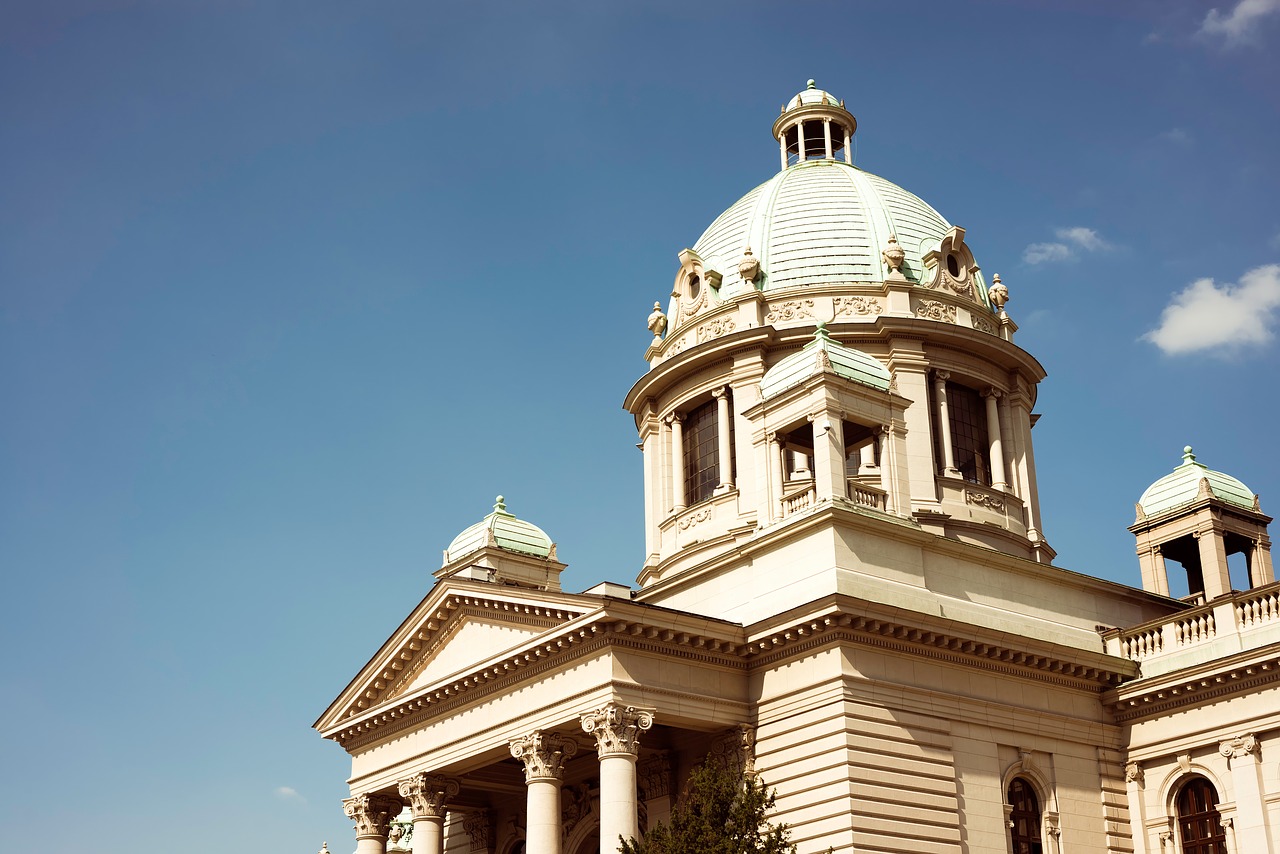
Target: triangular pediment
(458, 624)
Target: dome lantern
(814, 125)
(505, 550)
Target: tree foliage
(720, 812)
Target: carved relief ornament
(1241, 745)
(654, 776)
(478, 826)
(790, 310)
(617, 728)
(932, 309)
(856, 306)
(372, 814)
(1133, 773)
(715, 328)
(543, 754)
(427, 793)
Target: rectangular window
(969, 444)
(701, 452)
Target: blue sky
(290, 290)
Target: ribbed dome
(507, 532)
(822, 222)
(843, 361)
(811, 95)
(1182, 486)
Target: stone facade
(846, 591)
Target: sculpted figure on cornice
(543, 755)
(617, 728)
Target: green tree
(720, 812)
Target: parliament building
(847, 589)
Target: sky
(289, 291)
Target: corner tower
(825, 265)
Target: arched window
(1199, 824)
(1024, 818)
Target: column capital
(673, 418)
(720, 393)
(617, 728)
(543, 754)
(992, 392)
(427, 793)
(1241, 745)
(372, 814)
(1133, 773)
(942, 376)
(478, 825)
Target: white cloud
(1207, 317)
(1086, 238)
(1065, 248)
(1238, 26)
(1039, 253)
(288, 793)
(1177, 136)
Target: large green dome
(822, 222)
(1182, 486)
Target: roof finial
(500, 505)
(811, 84)
(1187, 456)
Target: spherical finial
(811, 84)
(1187, 456)
(500, 505)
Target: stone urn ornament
(657, 322)
(894, 256)
(998, 293)
(749, 266)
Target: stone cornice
(1182, 689)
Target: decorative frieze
(984, 499)
(700, 515)
(789, 310)
(713, 329)
(617, 728)
(983, 325)
(857, 306)
(932, 309)
(543, 754)
(427, 794)
(372, 814)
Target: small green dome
(811, 94)
(1182, 486)
(844, 361)
(508, 532)
(822, 222)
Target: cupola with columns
(825, 261)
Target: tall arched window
(1199, 824)
(1024, 819)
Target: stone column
(1134, 783)
(1006, 435)
(782, 148)
(829, 479)
(775, 469)
(722, 430)
(848, 150)
(426, 794)
(867, 458)
(544, 756)
(617, 730)
(1244, 755)
(676, 420)
(372, 815)
(652, 485)
(800, 140)
(998, 481)
(944, 423)
(826, 135)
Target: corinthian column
(998, 481)
(426, 794)
(944, 423)
(543, 755)
(372, 815)
(617, 730)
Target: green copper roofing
(812, 95)
(1182, 486)
(508, 532)
(844, 361)
(822, 222)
